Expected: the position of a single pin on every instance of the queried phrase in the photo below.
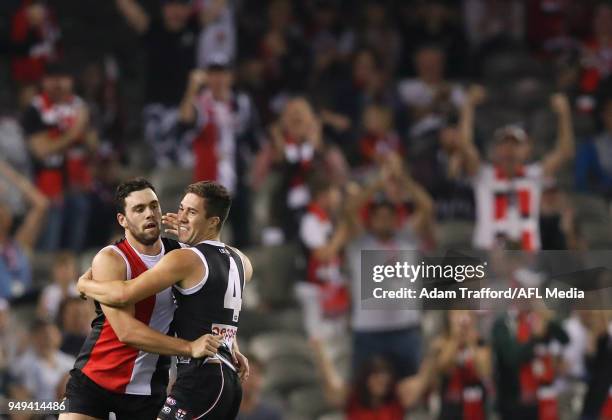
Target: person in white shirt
(508, 188)
(43, 369)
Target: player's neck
(152, 249)
(210, 237)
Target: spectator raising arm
(43, 145)
(28, 231)
(187, 110)
(467, 150)
(422, 219)
(136, 16)
(564, 149)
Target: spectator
(12, 344)
(99, 83)
(596, 61)
(16, 245)
(426, 99)
(350, 95)
(379, 137)
(64, 275)
(34, 25)
(508, 190)
(426, 22)
(558, 225)
(170, 48)
(597, 402)
(331, 40)
(218, 34)
(375, 393)
(527, 349)
(74, 319)
(323, 294)
(463, 363)
(43, 368)
(227, 129)
(380, 34)
(254, 406)
(296, 150)
(59, 138)
(391, 331)
(593, 167)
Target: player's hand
(83, 281)
(242, 363)
(560, 104)
(171, 224)
(206, 346)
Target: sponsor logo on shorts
(166, 409)
(170, 401)
(183, 359)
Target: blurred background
(337, 126)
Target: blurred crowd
(337, 126)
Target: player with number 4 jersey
(208, 280)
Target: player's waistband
(223, 355)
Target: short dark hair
(217, 199)
(126, 188)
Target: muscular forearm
(151, 341)
(111, 293)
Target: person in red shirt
(33, 24)
(59, 138)
(375, 393)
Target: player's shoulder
(109, 253)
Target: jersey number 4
(233, 293)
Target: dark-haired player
(208, 281)
(119, 368)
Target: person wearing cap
(56, 125)
(226, 131)
(169, 43)
(508, 189)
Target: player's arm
(108, 265)
(174, 267)
(564, 149)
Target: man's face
(220, 82)
(58, 87)
(47, 339)
(382, 222)
(65, 272)
(176, 15)
(430, 63)
(510, 152)
(364, 67)
(142, 216)
(193, 222)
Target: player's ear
(122, 220)
(214, 222)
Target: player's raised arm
(175, 267)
